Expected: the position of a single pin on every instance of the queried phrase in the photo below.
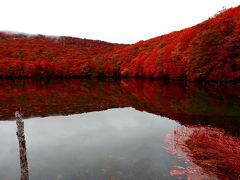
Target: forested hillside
(207, 51)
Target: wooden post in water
(22, 146)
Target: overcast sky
(122, 21)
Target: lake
(120, 129)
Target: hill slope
(207, 51)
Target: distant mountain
(207, 51)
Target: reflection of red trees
(189, 103)
(207, 51)
(210, 148)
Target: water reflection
(188, 103)
(113, 144)
(22, 146)
(121, 143)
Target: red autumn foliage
(210, 148)
(207, 51)
(187, 103)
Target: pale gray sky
(122, 21)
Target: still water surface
(128, 129)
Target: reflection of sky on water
(119, 143)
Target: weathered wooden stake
(22, 146)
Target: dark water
(118, 129)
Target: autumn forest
(207, 51)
